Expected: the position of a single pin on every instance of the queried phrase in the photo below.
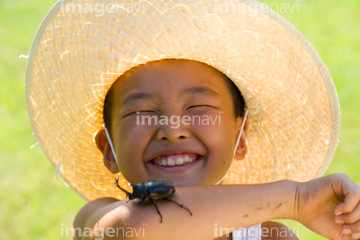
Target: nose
(173, 131)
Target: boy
(178, 87)
(292, 127)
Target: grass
(34, 206)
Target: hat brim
(294, 115)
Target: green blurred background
(34, 206)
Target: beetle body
(158, 190)
(152, 191)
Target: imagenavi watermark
(101, 233)
(252, 9)
(175, 121)
(253, 232)
(100, 9)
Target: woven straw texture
(77, 54)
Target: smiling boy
(188, 155)
(289, 137)
(183, 87)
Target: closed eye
(142, 112)
(200, 106)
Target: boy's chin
(184, 182)
(192, 182)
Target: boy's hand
(330, 206)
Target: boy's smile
(175, 159)
(196, 150)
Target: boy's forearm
(232, 206)
(213, 207)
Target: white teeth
(175, 160)
(179, 161)
(171, 162)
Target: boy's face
(200, 145)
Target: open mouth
(174, 160)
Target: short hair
(237, 98)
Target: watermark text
(175, 121)
(253, 232)
(100, 9)
(252, 10)
(101, 233)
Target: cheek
(131, 132)
(217, 130)
(219, 140)
(132, 139)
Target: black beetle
(152, 191)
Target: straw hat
(79, 51)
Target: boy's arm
(83, 216)
(216, 208)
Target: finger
(350, 202)
(352, 229)
(355, 236)
(351, 217)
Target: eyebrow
(203, 90)
(138, 96)
(188, 91)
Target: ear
(103, 145)
(242, 147)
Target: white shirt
(250, 233)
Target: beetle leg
(117, 184)
(152, 201)
(180, 205)
(143, 200)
